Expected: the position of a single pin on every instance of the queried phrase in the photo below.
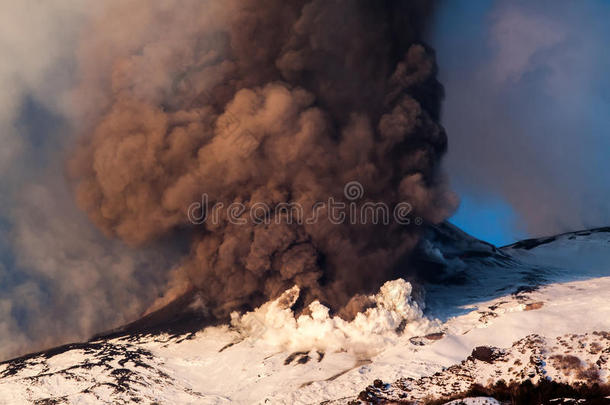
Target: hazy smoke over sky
(150, 103)
(527, 108)
(60, 279)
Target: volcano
(532, 314)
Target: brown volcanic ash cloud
(260, 101)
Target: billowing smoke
(260, 102)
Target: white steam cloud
(394, 313)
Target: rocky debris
(574, 360)
(114, 371)
(303, 357)
(298, 357)
(435, 336)
(533, 306)
(487, 354)
(474, 401)
(424, 340)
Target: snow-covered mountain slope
(537, 310)
(572, 359)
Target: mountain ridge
(488, 297)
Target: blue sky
(492, 220)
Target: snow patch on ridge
(396, 313)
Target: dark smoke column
(261, 102)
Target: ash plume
(260, 102)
